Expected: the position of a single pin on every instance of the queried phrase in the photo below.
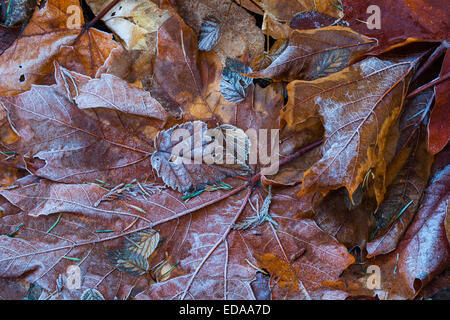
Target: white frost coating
(357, 109)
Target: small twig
(433, 57)
(429, 85)
(96, 18)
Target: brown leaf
(189, 156)
(239, 34)
(350, 225)
(357, 106)
(176, 67)
(423, 19)
(424, 251)
(197, 236)
(7, 36)
(311, 20)
(109, 92)
(134, 22)
(79, 145)
(19, 12)
(209, 33)
(278, 14)
(438, 129)
(24, 63)
(313, 54)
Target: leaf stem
(100, 15)
(429, 85)
(433, 57)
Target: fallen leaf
(79, 145)
(438, 130)
(209, 33)
(313, 54)
(24, 63)
(201, 157)
(365, 104)
(410, 267)
(134, 22)
(422, 19)
(239, 33)
(195, 235)
(411, 169)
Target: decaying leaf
(239, 33)
(438, 129)
(54, 130)
(182, 161)
(411, 168)
(24, 63)
(313, 54)
(401, 20)
(189, 156)
(357, 107)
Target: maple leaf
(438, 131)
(235, 22)
(53, 129)
(25, 63)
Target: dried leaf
(357, 106)
(438, 129)
(194, 240)
(79, 145)
(233, 84)
(313, 54)
(405, 191)
(134, 22)
(201, 156)
(176, 69)
(19, 12)
(421, 19)
(130, 262)
(92, 294)
(109, 92)
(409, 268)
(239, 33)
